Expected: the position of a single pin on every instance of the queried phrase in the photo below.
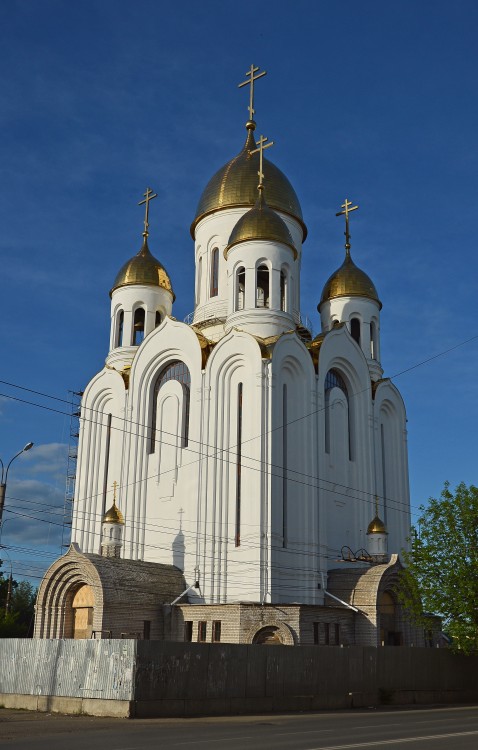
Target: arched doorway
(387, 616)
(268, 636)
(82, 605)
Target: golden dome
(113, 515)
(349, 281)
(235, 185)
(260, 223)
(143, 268)
(376, 526)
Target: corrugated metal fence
(78, 669)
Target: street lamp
(4, 475)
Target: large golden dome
(260, 223)
(143, 268)
(349, 281)
(235, 185)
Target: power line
(230, 449)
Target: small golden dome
(349, 281)
(143, 268)
(261, 223)
(235, 185)
(376, 526)
(113, 515)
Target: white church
(260, 474)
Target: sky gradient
(375, 102)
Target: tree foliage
(18, 621)
(442, 565)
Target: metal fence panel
(76, 669)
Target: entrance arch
(268, 636)
(82, 605)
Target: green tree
(441, 574)
(18, 621)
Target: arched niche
(82, 604)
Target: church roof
(261, 223)
(143, 268)
(349, 281)
(235, 185)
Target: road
(417, 729)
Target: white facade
(245, 455)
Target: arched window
(215, 272)
(173, 371)
(138, 326)
(355, 329)
(158, 319)
(373, 340)
(119, 330)
(335, 380)
(262, 287)
(283, 290)
(240, 287)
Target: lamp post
(4, 476)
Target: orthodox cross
(148, 196)
(347, 206)
(261, 145)
(250, 82)
(115, 484)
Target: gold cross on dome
(261, 145)
(148, 196)
(115, 485)
(347, 206)
(250, 82)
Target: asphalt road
(418, 729)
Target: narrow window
(146, 630)
(158, 320)
(284, 465)
(202, 631)
(238, 465)
(283, 291)
(188, 630)
(173, 371)
(262, 287)
(216, 631)
(327, 633)
(355, 329)
(316, 633)
(119, 333)
(373, 343)
(240, 288)
(337, 633)
(138, 326)
(384, 471)
(199, 281)
(215, 272)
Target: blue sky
(374, 101)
